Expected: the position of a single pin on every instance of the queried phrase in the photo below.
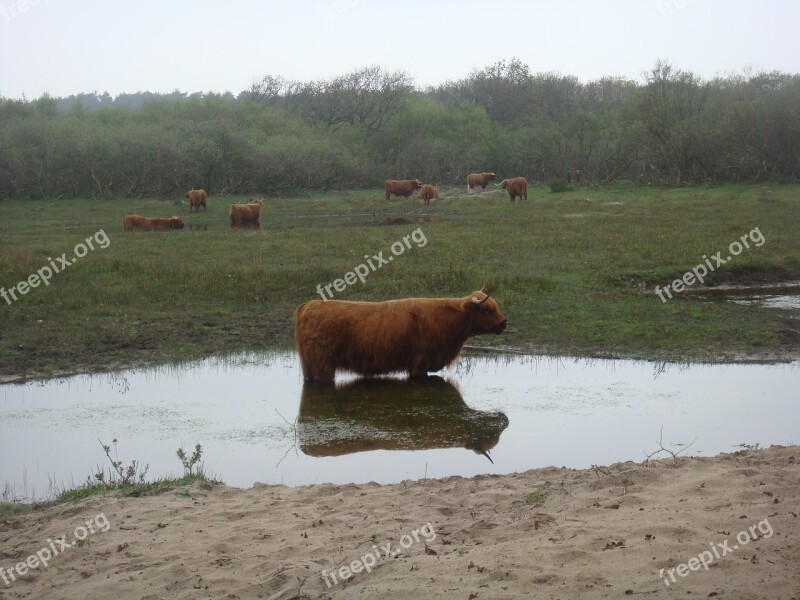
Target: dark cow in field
(516, 186)
(246, 215)
(479, 179)
(427, 192)
(137, 223)
(414, 335)
(196, 198)
(401, 187)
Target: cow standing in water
(415, 335)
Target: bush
(560, 186)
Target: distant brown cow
(415, 335)
(137, 223)
(196, 198)
(427, 192)
(516, 186)
(401, 187)
(246, 215)
(479, 179)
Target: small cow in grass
(479, 179)
(401, 187)
(137, 223)
(427, 192)
(246, 215)
(197, 198)
(516, 186)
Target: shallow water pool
(257, 422)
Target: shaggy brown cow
(196, 198)
(516, 186)
(415, 335)
(401, 187)
(479, 179)
(137, 223)
(246, 215)
(427, 192)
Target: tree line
(357, 129)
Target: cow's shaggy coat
(516, 186)
(415, 335)
(479, 179)
(427, 192)
(197, 198)
(246, 215)
(137, 223)
(401, 187)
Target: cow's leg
(418, 369)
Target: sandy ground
(593, 534)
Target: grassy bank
(574, 271)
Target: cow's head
(255, 201)
(417, 183)
(486, 315)
(188, 194)
(490, 176)
(435, 193)
(504, 183)
(177, 222)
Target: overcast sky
(70, 46)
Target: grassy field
(574, 272)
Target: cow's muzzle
(501, 327)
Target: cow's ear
(471, 303)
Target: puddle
(257, 421)
(785, 297)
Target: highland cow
(428, 192)
(137, 223)
(246, 215)
(516, 186)
(197, 198)
(414, 335)
(401, 187)
(479, 179)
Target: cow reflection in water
(390, 414)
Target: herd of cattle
(240, 216)
(244, 216)
(515, 186)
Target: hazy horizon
(92, 46)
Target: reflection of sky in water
(562, 411)
(788, 302)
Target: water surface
(257, 421)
